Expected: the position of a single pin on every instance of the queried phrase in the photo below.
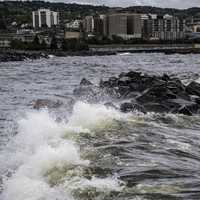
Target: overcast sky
(125, 3)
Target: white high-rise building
(45, 18)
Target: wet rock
(147, 93)
(124, 81)
(193, 88)
(123, 90)
(176, 86)
(86, 91)
(156, 107)
(46, 103)
(156, 94)
(20, 56)
(130, 107)
(185, 111)
(84, 81)
(104, 84)
(131, 95)
(113, 82)
(110, 105)
(165, 77)
(133, 75)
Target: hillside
(20, 11)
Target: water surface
(86, 151)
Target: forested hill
(20, 11)
(172, 11)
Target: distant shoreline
(7, 55)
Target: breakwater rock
(145, 93)
(20, 56)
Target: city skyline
(159, 3)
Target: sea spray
(90, 116)
(46, 165)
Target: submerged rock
(130, 107)
(84, 81)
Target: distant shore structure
(45, 18)
(136, 26)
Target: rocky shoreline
(15, 55)
(6, 56)
(144, 93)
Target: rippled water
(87, 151)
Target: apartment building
(45, 18)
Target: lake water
(84, 151)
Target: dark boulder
(165, 77)
(84, 81)
(133, 75)
(182, 106)
(131, 95)
(124, 81)
(46, 103)
(156, 107)
(113, 81)
(104, 84)
(156, 94)
(185, 111)
(162, 94)
(83, 90)
(193, 88)
(176, 86)
(130, 107)
(123, 90)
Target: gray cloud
(124, 3)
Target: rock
(133, 75)
(124, 81)
(185, 111)
(145, 92)
(113, 82)
(110, 105)
(123, 90)
(104, 84)
(86, 91)
(131, 95)
(176, 86)
(156, 107)
(46, 103)
(84, 81)
(193, 88)
(181, 105)
(156, 94)
(20, 56)
(130, 107)
(165, 77)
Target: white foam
(40, 147)
(89, 116)
(100, 184)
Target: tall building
(88, 24)
(134, 26)
(124, 25)
(45, 18)
(117, 25)
(167, 27)
(93, 24)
